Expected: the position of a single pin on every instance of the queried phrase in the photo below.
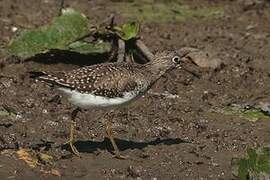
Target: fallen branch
(108, 19)
(121, 50)
(114, 50)
(130, 58)
(144, 50)
(62, 2)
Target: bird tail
(42, 76)
(37, 74)
(48, 78)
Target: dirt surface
(164, 137)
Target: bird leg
(111, 137)
(71, 135)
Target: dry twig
(144, 50)
(121, 50)
(62, 2)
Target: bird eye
(176, 59)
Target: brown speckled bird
(109, 85)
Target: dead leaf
(30, 160)
(55, 172)
(45, 158)
(202, 58)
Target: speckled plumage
(109, 80)
(111, 83)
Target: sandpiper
(109, 85)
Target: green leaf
(87, 48)
(255, 114)
(166, 11)
(129, 31)
(243, 169)
(263, 160)
(45, 158)
(7, 112)
(252, 158)
(257, 163)
(65, 29)
(252, 114)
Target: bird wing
(109, 80)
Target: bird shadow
(92, 146)
(68, 57)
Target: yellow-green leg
(111, 137)
(71, 139)
(71, 134)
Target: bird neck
(156, 70)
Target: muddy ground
(165, 138)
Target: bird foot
(73, 148)
(119, 156)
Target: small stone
(135, 172)
(250, 27)
(14, 29)
(29, 103)
(265, 107)
(144, 155)
(52, 123)
(166, 36)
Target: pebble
(14, 29)
(135, 171)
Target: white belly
(89, 100)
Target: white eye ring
(176, 59)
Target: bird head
(167, 60)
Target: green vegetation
(62, 34)
(165, 11)
(128, 31)
(88, 48)
(252, 114)
(257, 163)
(255, 114)
(5, 112)
(67, 32)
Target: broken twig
(130, 58)
(62, 2)
(121, 50)
(144, 50)
(108, 19)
